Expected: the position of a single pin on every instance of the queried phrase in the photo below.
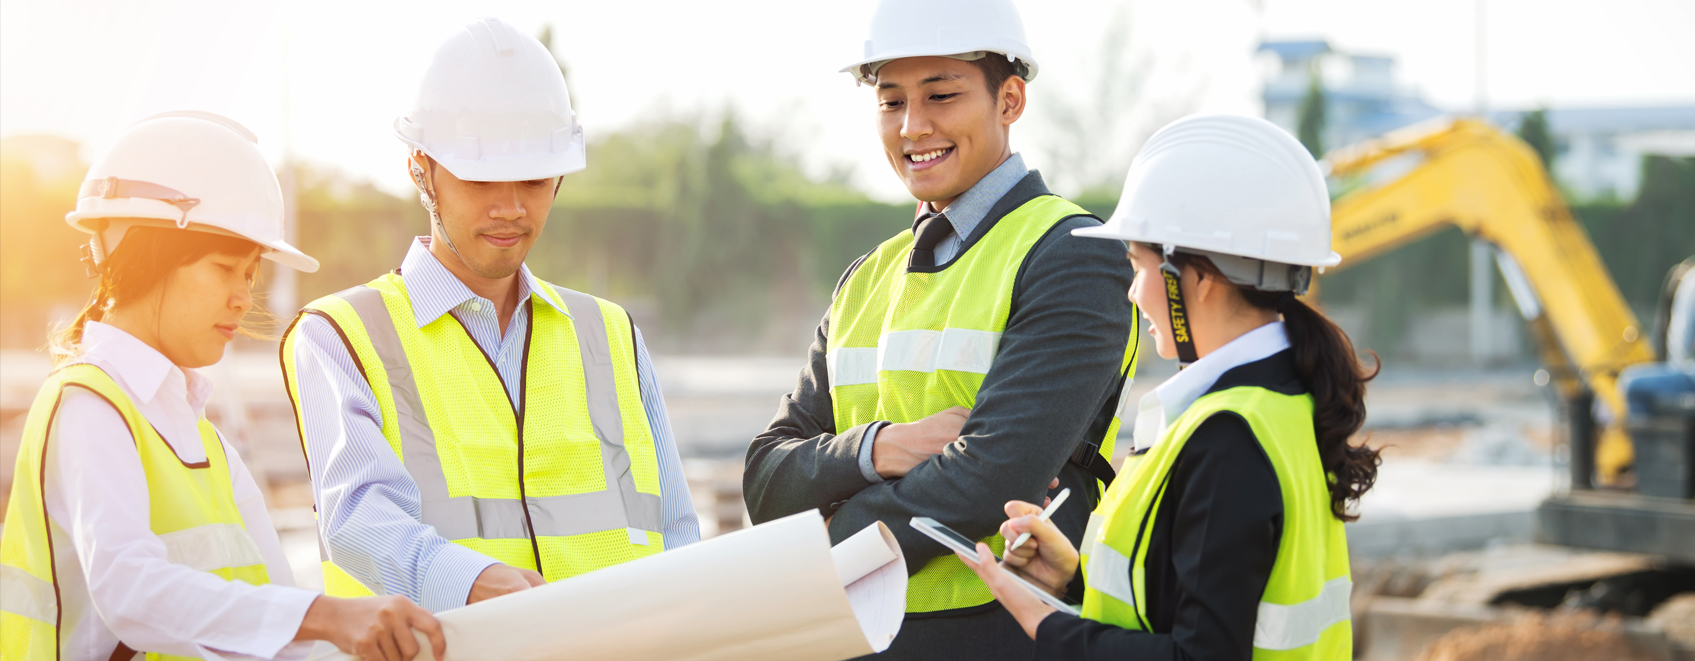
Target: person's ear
(1011, 99)
(1204, 286)
(417, 170)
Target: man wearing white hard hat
(967, 362)
(132, 526)
(472, 430)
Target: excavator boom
(1467, 174)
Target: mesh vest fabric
(192, 510)
(1304, 611)
(904, 345)
(577, 466)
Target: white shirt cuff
(868, 469)
(448, 580)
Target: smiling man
(471, 430)
(968, 362)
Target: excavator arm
(1467, 174)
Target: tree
(1091, 132)
(1533, 130)
(1311, 129)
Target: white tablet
(953, 540)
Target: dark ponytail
(1327, 365)
(63, 345)
(142, 263)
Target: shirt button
(476, 306)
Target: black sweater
(1214, 542)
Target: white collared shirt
(97, 502)
(1169, 400)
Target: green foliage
(1642, 240)
(1311, 127)
(1533, 130)
(1100, 200)
(723, 237)
(715, 236)
(355, 230)
(40, 273)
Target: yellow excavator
(1464, 173)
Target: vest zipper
(517, 414)
(523, 401)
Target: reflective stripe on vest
(956, 349)
(1304, 611)
(211, 547)
(24, 594)
(191, 509)
(571, 461)
(906, 344)
(1286, 627)
(467, 517)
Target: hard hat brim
(515, 168)
(276, 250)
(283, 253)
(853, 69)
(1115, 229)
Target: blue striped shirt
(368, 506)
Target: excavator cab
(1660, 396)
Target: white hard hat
(1226, 184)
(493, 107)
(189, 170)
(962, 29)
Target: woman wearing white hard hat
(1223, 539)
(132, 527)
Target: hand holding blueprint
(774, 591)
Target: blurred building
(1598, 150)
(1362, 98)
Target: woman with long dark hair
(1222, 536)
(132, 526)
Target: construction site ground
(1444, 563)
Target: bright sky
(84, 69)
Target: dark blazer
(1057, 365)
(1213, 545)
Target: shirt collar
(1170, 399)
(971, 207)
(140, 369)
(435, 291)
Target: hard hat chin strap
(1180, 330)
(426, 196)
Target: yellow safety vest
(192, 511)
(905, 345)
(574, 462)
(1304, 611)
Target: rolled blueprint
(775, 591)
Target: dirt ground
(1538, 637)
(1677, 617)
